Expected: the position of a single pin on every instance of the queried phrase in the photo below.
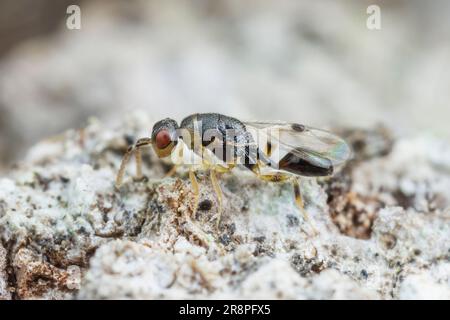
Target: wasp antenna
(123, 166)
(126, 158)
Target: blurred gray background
(313, 62)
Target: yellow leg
(300, 205)
(280, 177)
(136, 148)
(196, 191)
(268, 148)
(274, 176)
(172, 171)
(218, 191)
(138, 156)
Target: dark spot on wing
(298, 127)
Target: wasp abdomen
(313, 167)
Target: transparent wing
(313, 145)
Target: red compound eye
(162, 139)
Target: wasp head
(164, 137)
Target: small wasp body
(273, 151)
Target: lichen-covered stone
(383, 225)
(4, 292)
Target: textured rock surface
(314, 61)
(4, 293)
(66, 232)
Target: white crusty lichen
(66, 232)
(4, 292)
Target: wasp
(274, 151)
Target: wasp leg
(138, 156)
(196, 191)
(301, 206)
(280, 177)
(136, 148)
(177, 160)
(268, 148)
(171, 172)
(219, 195)
(271, 177)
